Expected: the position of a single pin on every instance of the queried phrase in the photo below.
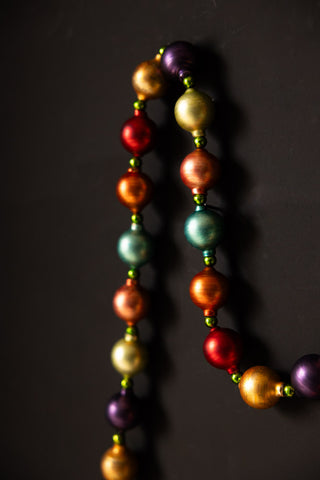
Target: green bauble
(135, 246)
(204, 228)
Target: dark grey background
(65, 75)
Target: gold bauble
(260, 387)
(194, 111)
(118, 463)
(148, 80)
(128, 356)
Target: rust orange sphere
(134, 190)
(148, 80)
(118, 463)
(209, 290)
(131, 302)
(200, 170)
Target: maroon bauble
(223, 349)
(138, 134)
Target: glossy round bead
(118, 463)
(223, 349)
(200, 142)
(138, 134)
(178, 60)
(211, 321)
(209, 290)
(199, 171)
(131, 302)
(135, 246)
(148, 80)
(260, 387)
(203, 228)
(134, 190)
(236, 377)
(305, 376)
(128, 356)
(194, 111)
(122, 410)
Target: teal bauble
(204, 228)
(135, 246)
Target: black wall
(65, 92)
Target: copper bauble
(199, 171)
(209, 290)
(131, 302)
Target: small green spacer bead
(133, 331)
(211, 321)
(126, 382)
(188, 82)
(209, 261)
(139, 105)
(288, 391)
(200, 142)
(200, 199)
(133, 273)
(236, 377)
(135, 162)
(161, 50)
(118, 439)
(136, 218)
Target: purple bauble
(178, 60)
(122, 410)
(305, 376)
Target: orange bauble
(131, 302)
(134, 190)
(209, 290)
(199, 171)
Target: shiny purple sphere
(178, 60)
(305, 376)
(122, 410)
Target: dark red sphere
(223, 349)
(138, 134)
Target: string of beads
(259, 386)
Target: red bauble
(138, 134)
(223, 349)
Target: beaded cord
(260, 387)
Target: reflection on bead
(178, 60)
(135, 246)
(122, 410)
(128, 357)
(199, 171)
(260, 387)
(148, 80)
(305, 376)
(194, 111)
(138, 134)
(118, 463)
(204, 228)
(223, 349)
(209, 290)
(131, 302)
(134, 190)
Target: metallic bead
(200, 142)
(148, 80)
(131, 302)
(203, 228)
(128, 357)
(135, 246)
(135, 162)
(194, 111)
(178, 60)
(209, 290)
(138, 134)
(260, 387)
(134, 190)
(288, 391)
(199, 199)
(118, 439)
(123, 411)
(127, 382)
(211, 321)
(305, 376)
(223, 349)
(188, 82)
(118, 463)
(139, 105)
(200, 171)
(132, 330)
(209, 261)
(137, 218)
(161, 50)
(236, 377)
(134, 273)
